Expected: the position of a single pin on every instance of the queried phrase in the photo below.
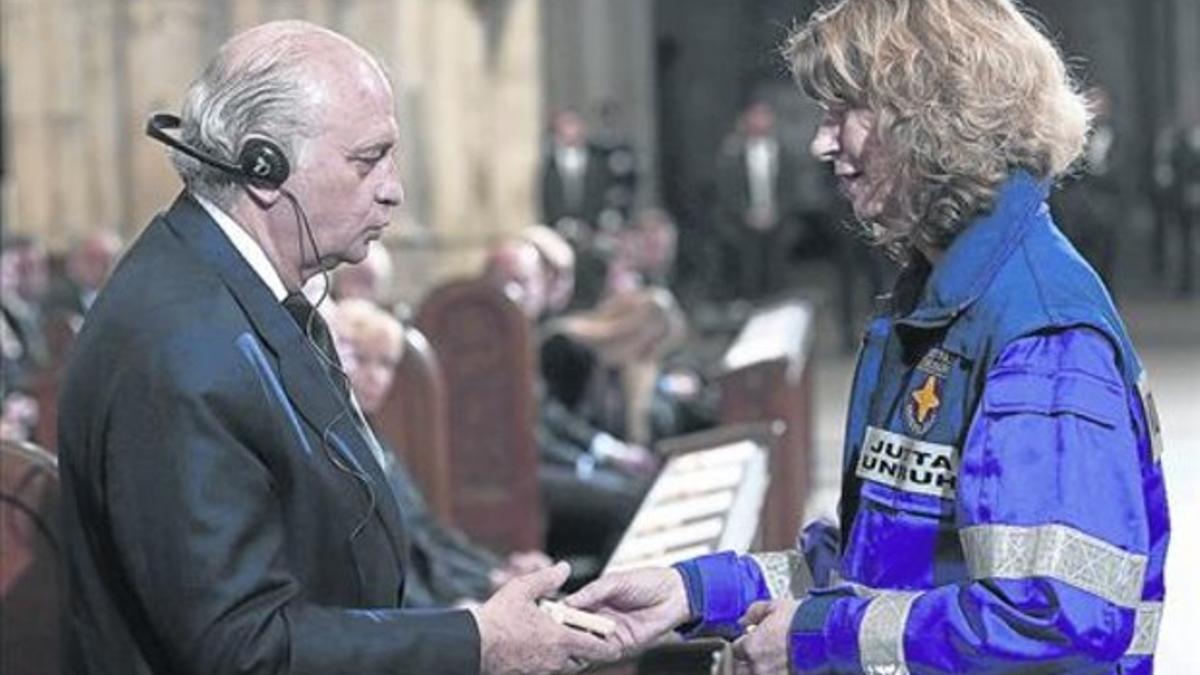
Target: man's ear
(264, 196)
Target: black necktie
(312, 325)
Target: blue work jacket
(1002, 504)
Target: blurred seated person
(367, 280)
(591, 480)
(515, 267)
(22, 284)
(645, 253)
(447, 568)
(18, 416)
(604, 365)
(557, 260)
(88, 265)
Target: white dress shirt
(254, 256)
(249, 249)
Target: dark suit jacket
(445, 566)
(222, 510)
(733, 188)
(64, 297)
(596, 182)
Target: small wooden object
(597, 625)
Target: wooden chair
(414, 422)
(30, 560)
(767, 376)
(485, 345)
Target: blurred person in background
(515, 267)
(88, 264)
(617, 350)
(575, 179)
(447, 568)
(23, 283)
(645, 253)
(1090, 202)
(757, 194)
(620, 159)
(1185, 167)
(1003, 506)
(367, 280)
(558, 267)
(591, 478)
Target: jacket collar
(976, 255)
(304, 378)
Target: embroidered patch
(936, 362)
(920, 409)
(1153, 426)
(908, 464)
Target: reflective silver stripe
(785, 572)
(1145, 629)
(1150, 410)
(881, 635)
(1058, 552)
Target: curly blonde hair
(964, 92)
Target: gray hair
(259, 93)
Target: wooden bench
(767, 377)
(485, 346)
(30, 560)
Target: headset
(262, 162)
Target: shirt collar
(246, 247)
(976, 254)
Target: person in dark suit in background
(1185, 162)
(756, 204)
(1091, 201)
(225, 506)
(575, 178)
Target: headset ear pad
(263, 161)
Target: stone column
(470, 76)
(60, 118)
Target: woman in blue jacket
(1002, 499)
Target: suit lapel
(304, 378)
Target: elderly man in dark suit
(225, 507)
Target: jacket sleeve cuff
(824, 632)
(720, 587)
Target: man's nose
(390, 190)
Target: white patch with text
(908, 464)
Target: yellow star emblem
(926, 399)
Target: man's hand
(518, 638)
(518, 564)
(645, 604)
(763, 650)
